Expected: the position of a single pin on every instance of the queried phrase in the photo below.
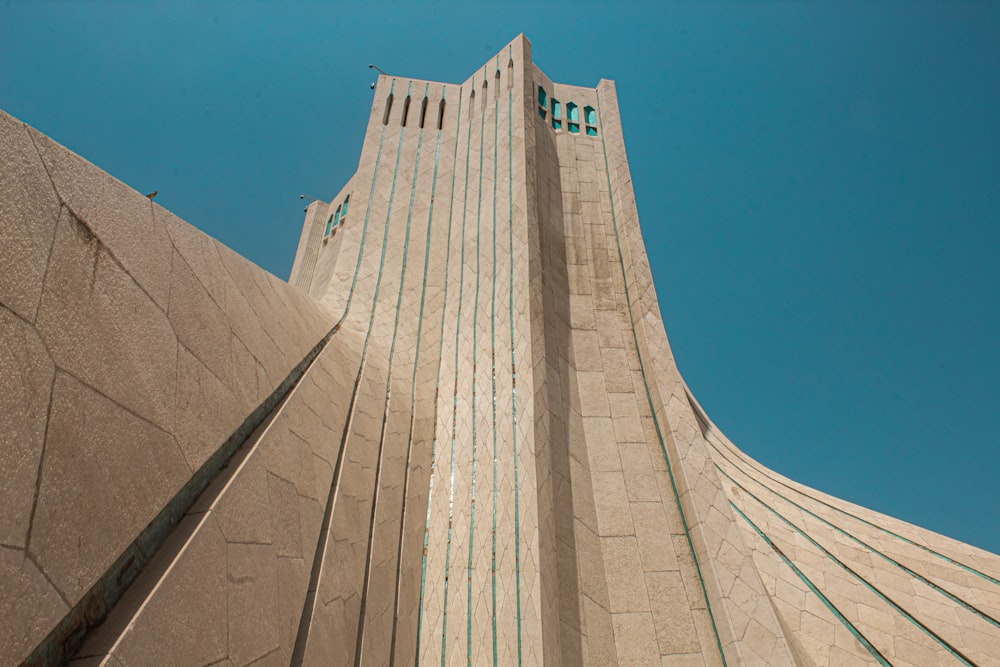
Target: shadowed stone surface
(88, 489)
(26, 373)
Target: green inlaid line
(475, 376)
(649, 396)
(388, 398)
(493, 357)
(864, 582)
(371, 318)
(364, 227)
(454, 404)
(875, 653)
(413, 404)
(305, 620)
(916, 575)
(882, 529)
(513, 361)
(437, 383)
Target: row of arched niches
(571, 121)
(575, 118)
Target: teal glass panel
(556, 108)
(329, 224)
(556, 124)
(336, 217)
(573, 112)
(590, 116)
(542, 98)
(541, 112)
(591, 131)
(347, 200)
(574, 128)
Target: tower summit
(457, 437)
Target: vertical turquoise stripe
(371, 317)
(364, 227)
(437, 383)
(475, 375)
(387, 400)
(305, 620)
(649, 396)
(454, 404)
(513, 360)
(493, 361)
(413, 407)
(304, 628)
(875, 653)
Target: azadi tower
(456, 436)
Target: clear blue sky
(818, 184)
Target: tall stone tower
(458, 436)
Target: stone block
(118, 215)
(29, 605)
(101, 327)
(26, 374)
(168, 630)
(29, 209)
(105, 474)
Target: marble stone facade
(456, 435)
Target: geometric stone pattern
(458, 435)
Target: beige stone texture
(28, 213)
(26, 375)
(491, 459)
(101, 466)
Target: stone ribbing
(486, 454)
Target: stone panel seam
(413, 402)
(649, 398)
(864, 641)
(52, 244)
(910, 572)
(319, 561)
(955, 652)
(437, 384)
(94, 606)
(386, 408)
(89, 230)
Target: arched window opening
(590, 118)
(573, 117)
(483, 102)
(347, 200)
(423, 112)
(388, 108)
(329, 224)
(510, 74)
(472, 100)
(496, 85)
(441, 114)
(406, 111)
